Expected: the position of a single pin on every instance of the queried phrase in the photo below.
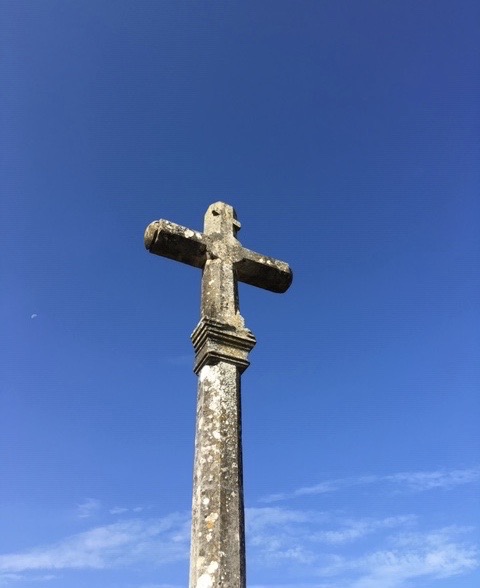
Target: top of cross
(221, 218)
(222, 258)
(218, 241)
(221, 333)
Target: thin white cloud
(122, 509)
(428, 556)
(258, 519)
(420, 481)
(117, 510)
(293, 540)
(352, 530)
(301, 537)
(329, 549)
(8, 579)
(335, 485)
(88, 508)
(160, 540)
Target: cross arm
(264, 272)
(176, 242)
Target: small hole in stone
(215, 213)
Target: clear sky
(346, 135)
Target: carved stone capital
(215, 341)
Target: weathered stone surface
(175, 242)
(218, 242)
(214, 341)
(217, 555)
(222, 344)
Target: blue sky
(346, 135)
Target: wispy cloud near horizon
(348, 547)
(430, 555)
(420, 481)
(324, 546)
(107, 546)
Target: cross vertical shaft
(222, 344)
(217, 554)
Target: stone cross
(222, 344)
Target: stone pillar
(217, 557)
(222, 344)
